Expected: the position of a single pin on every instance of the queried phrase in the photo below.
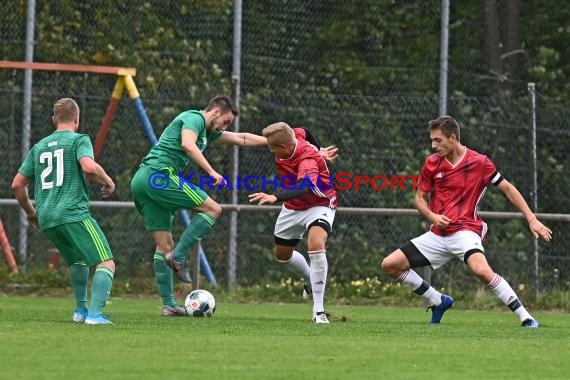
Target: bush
(368, 291)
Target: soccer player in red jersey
(455, 178)
(309, 204)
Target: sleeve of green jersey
(27, 168)
(214, 136)
(84, 148)
(194, 122)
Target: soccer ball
(200, 303)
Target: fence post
(196, 266)
(443, 57)
(27, 121)
(534, 181)
(234, 155)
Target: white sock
(298, 265)
(504, 291)
(413, 281)
(318, 271)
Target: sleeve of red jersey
(490, 172)
(308, 168)
(426, 178)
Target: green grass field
(276, 341)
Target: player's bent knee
(394, 263)
(217, 211)
(109, 264)
(385, 265)
(213, 209)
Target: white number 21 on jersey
(48, 157)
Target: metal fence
(363, 93)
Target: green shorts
(80, 242)
(158, 194)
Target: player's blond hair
(65, 110)
(279, 134)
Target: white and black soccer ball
(200, 303)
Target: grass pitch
(276, 341)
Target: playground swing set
(124, 81)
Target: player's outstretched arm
(329, 153)
(262, 198)
(242, 139)
(516, 198)
(281, 195)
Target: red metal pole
(5, 244)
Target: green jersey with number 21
(60, 190)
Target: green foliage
(47, 281)
(362, 75)
(365, 291)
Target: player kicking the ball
(180, 145)
(309, 205)
(456, 178)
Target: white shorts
(439, 250)
(292, 225)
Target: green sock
(200, 226)
(163, 277)
(100, 289)
(79, 276)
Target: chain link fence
(365, 81)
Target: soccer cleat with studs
(79, 315)
(180, 269)
(97, 319)
(530, 323)
(321, 317)
(437, 311)
(173, 311)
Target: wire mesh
(363, 80)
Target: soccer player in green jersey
(158, 191)
(59, 165)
